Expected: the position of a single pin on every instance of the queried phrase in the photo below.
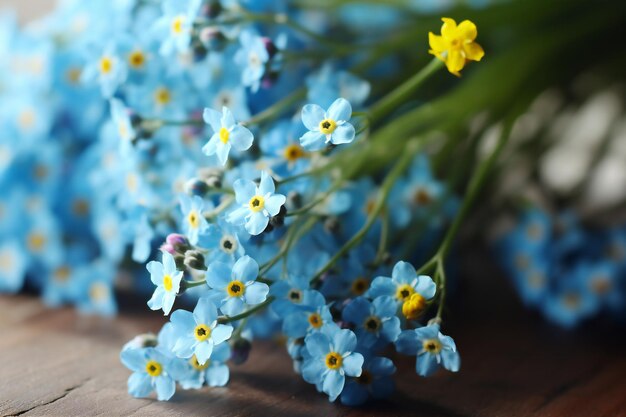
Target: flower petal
(222, 150)
(468, 30)
(205, 311)
(425, 286)
(245, 269)
(212, 118)
(232, 306)
(217, 375)
(333, 384)
(344, 133)
(241, 138)
(203, 351)
(165, 387)
(256, 293)
(218, 275)
(244, 190)
(227, 120)
(313, 141)
(221, 332)
(273, 204)
(266, 184)
(473, 51)
(340, 110)
(353, 364)
(139, 385)
(448, 29)
(344, 341)
(312, 116)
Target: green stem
(395, 98)
(277, 108)
(247, 313)
(411, 148)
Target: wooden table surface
(55, 362)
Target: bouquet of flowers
(298, 167)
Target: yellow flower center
(372, 324)
(106, 65)
(80, 207)
(73, 75)
(202, 332)
(36, 241)
(315, 320)
(295, 296)
(432, 346)
(177, 24)
(98, 292)
(421, 197)
(359, 286)
(293, 152)
(193, 219)
(153, 368)
(162, 96)
(62, 274)
(137, 59)
(167, 282)
(26, 119)
(334, 360)
(404, 291)
(414, 306)
(257, 203)
(236, 288)
(224, 135)
(196, 365)
(328, 126)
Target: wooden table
(54, 362)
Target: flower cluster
(567, 271)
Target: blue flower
(308, 318)
(194, 222)
(404, 282)
(227, 134)
(233, 288)
(176, 25)
(167, 279)
(224, 240)
(257, 204)
(331, 357)
(327, 126)
(108, 69)
(375, 320)
(199, 332)
(292, 294)
(252, 57)
(121, 118)
(375, 381)
(431, 347)
(214, 373)
(151, 369)
(12, 266)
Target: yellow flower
(456, 44)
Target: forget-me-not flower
(233, 288)
(374, 320)
(150, 368)
(194, 222)
(167, 279)
(214, 373)
(431, 347)
(331, 357)
(198, 332)
(257, 204)
(403, 284)
(227, 134)
(331, 126)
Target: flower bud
(194, 259)
(196, 186)
(241, 350)
(414, 306)
(178, 242)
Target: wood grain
(57, 363)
